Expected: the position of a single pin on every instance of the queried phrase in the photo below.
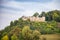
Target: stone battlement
(32, 18)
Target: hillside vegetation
(29, 30)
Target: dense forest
(27, 30)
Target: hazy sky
(13, 9)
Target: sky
(13, 9)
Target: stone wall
(32, 18)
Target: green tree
(11, 23)
(5, 37)
(15, 22)
(14, 37)
(36, 35)
(42, 14)
(27, 33)
(36, 14)
(53, 15)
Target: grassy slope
(58, 24)
(51, 37)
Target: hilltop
(29, 29)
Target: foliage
(27, 33)
(36, 35)
(14, 37)
(53, 15)
(27, 30)
(11, 23)
(36, 14)
(42, 14)
(5, 37)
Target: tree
(5, 37)
(0, 35)
(36, 14)
(56, 16)
(53, 15)
(43, 14)
(11, 23)
(14, 37)
(36, 35)
(27, 33)
(15, 22)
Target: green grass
(50, 37)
